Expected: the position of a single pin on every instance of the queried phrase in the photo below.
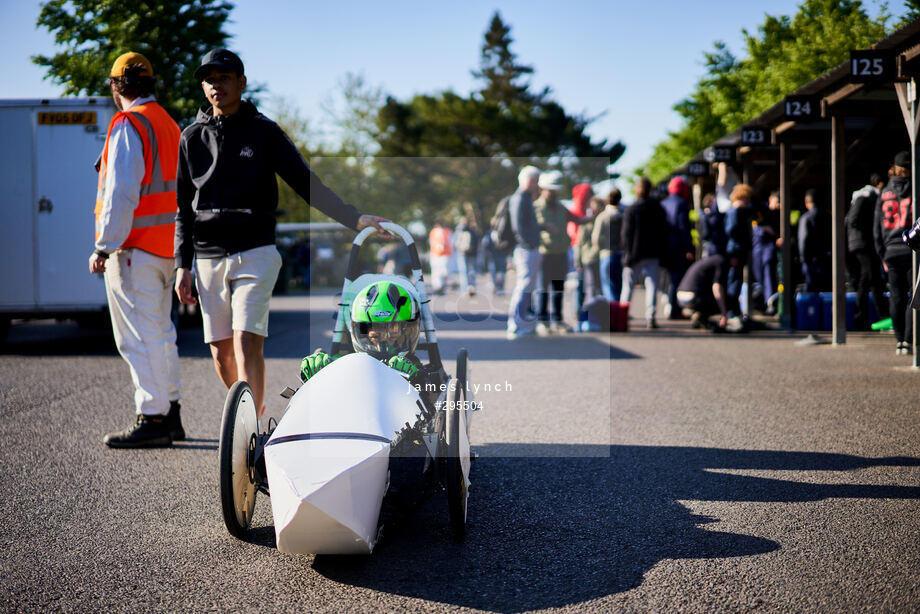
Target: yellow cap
(127, 59)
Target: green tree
(504, 118)
(784, 54)
(456, 149)
(341, 155)
(912, 11)
(172, 34)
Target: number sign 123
(753, 136)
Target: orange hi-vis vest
(439, 239)
(154, 226)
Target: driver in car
(384, 324)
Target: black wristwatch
(101, 254)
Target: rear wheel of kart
(458, 450)
(238, 434)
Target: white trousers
(648, 269)
(520, 312)
(139, 288)
(438, 271)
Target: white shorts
(234, 291)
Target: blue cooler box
(808, 311)
(827, 310)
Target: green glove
(403, 365)
(310, 365)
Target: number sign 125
(865, 67)
(871, 65)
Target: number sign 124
(796, 108)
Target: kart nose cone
(326, 494)
(328, 458)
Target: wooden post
(785, 204)
(838, 235)
(748, 274)
(907, 98)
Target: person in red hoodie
(892, 218)
(581, 195)
(680, 242)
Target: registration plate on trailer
(66, 117)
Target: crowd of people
(736, 227)
(696, 266)
(540, 235)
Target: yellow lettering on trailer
(66, 117)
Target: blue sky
(630, 61)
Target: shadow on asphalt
(50, 338)
(556, 348)
(293, 334)
(261, 536)
(551, 532)
(688, 333)
(290, 337)
(196, 444)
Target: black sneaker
(175, 422)
(147, 432)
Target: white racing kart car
(356, 436)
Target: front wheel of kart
(238, 435)
(458, 450)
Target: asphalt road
(651, 471)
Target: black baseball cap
(902, 159)
(219, 58)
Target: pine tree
(505, 79)
(503, 119)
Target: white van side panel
(66, 182)
(17, 276)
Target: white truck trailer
(48, 192)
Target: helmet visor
(386, 338)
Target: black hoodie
(645, 231)
(861, 217)
(226, 184)
(892, 217)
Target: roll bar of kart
(431, 342)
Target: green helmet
(384, 320)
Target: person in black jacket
(865, 266)
(893, 217)
(764, 233)
(738, 243)
(228, 196)
(645, 242)
(702, 291)
(712, 227)
(814, 244)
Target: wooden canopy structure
(829, 134)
